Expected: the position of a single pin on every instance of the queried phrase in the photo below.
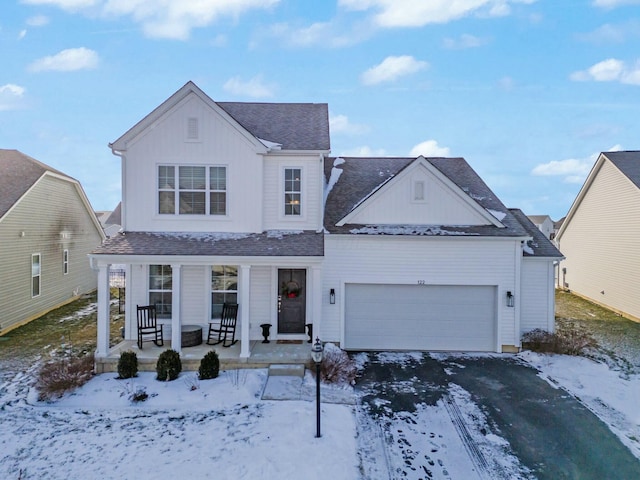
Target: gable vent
(192, 129)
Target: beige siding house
(47, 228)
(601, 235)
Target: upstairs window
(292, 191)
(35, 274)
(192, 190)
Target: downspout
(123, 216)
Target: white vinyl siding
(220, 144)
(408, 261)
(601, 243)
(537, 295)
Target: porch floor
(261, 355)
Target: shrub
(128, 365)
(337, 366)
(567, 340)
(209, 366)
(63, 375)
(169, 365)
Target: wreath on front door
(290, 289)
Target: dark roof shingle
(18, 173)
(539, 245)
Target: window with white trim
(35, 274)
(192, 190)
(160, 289)
(65, 261)
(224, 287)
(292, 191)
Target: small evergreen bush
(169, 365)
(209, 366)
(128, 365)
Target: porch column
(316, 301)
(245, 297)
(176, 297)
(102, 347)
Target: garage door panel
(420, 317)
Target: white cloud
(162, 18)
(341, 124)
(252, 88)
(68, 60)
(69, 5)
(610, 70)
(363, 151)
(430, 148)
(37, 21)
(574, 170)
(417, 13)
(506, 83)
(614, 3)
(10, 95)
(333, 34)
(464, 41)
(392, 68)
(22, 34)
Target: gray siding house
(47, 228)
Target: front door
(292, 296)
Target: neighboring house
(47, 228)
(544, 224)
(112, 222)
(601, 235)
(240, 202)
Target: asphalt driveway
(511, 423)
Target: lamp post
(316, 354)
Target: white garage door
(420, 317)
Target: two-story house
(241, 202)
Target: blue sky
(529, 92)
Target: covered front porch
(261, 355)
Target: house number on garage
(422, 282)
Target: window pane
(166, 202)
(162, 301)
(35, 286)
(218, 178)
(192, 203)
(35, 265)
(224, 287)
(166, 178)
(218, 204)
(192, 178)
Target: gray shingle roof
(539, 246)
(361, 176)
(270, 243)
(627, 162)
(296, 126)
(18, 173)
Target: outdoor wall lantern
(332, 296)
(316, 355)
(510, 299)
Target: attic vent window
(193, 132)
(418, 191)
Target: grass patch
(618, 338)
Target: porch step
(283, 369)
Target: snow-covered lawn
(222, 429)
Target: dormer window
(292, 191)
